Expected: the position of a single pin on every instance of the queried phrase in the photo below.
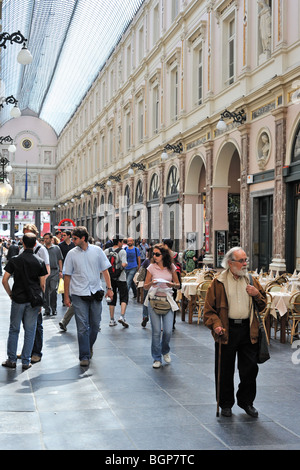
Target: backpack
(114, 260)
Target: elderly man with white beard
(230, 315)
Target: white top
(85, 267)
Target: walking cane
(219, 376)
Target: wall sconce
(24, 57)
(239, 118)
(175, 148)
(15, 111)
(139, 166)
(113, 178)
(98, 185)
(8, 140)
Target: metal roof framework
(70, 41)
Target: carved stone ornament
(263, 149)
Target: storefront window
(233, 220)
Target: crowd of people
(84, 266)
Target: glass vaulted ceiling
(70, 41)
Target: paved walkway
(121, 402)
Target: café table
(279, 305)
(188, 295)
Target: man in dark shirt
(66, 243)
(13, 250)
(65, 246)
(30, 267)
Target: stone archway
(195, 199)
(226, 200)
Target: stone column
(245, 191)
(12, 223)
(52, 221)
(182, 182)
(38, 221)
(161, 172)
(209, 257)
(279, 201)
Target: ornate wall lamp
(239, 118)
(15, 112)
(98, 185)
(178, 148)
(113, 178)
(5, 169)
(24, 57)
(139, 166)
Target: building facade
(177, 68)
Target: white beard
(240, 272)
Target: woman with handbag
(160, 280)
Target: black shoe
(62, 326)
(226, 412)
(250, 410)
(144, 322)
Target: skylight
(70, 40)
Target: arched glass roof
(70, 40)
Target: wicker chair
(294, 314)
(200, 297)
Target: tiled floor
(121, 402)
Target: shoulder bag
(263, 347)
(35, 293)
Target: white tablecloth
(280, 302)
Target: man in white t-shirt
(82, 285)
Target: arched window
(154, 187)
(296, 147)
(127, 196)
(139, 192)
(95, 206)
(110, 199)
(173, 181)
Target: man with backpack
(118, 260)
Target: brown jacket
(216, 308)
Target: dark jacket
(216, 308)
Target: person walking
(133, 265)
(1, 254)
(143, 247)
(25, 266)
(118, 280)
(42, 253)
(229, 313)
(13, 250)
(56, 265)
(82, 283)
(161, 278)
(65, 246)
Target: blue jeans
(129, 279)
(88, 317)
(28, 315)
(160, 340)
